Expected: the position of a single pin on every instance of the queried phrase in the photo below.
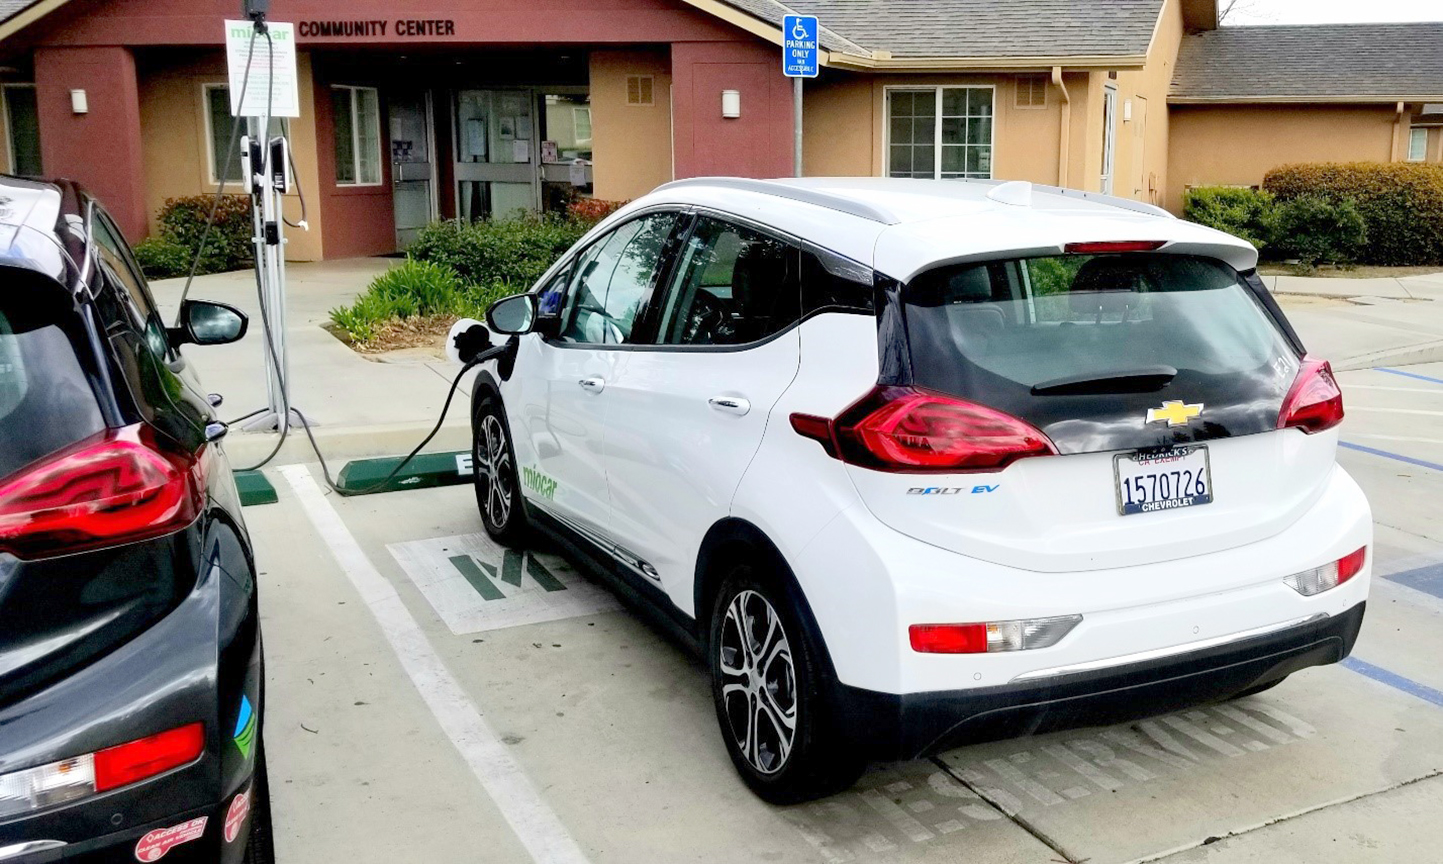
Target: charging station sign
(273, 80)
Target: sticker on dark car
(153, 846)
(235, 817)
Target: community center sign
(378, 29)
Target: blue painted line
(1394, 680)
(1427, 579)
(1422, 463)
(1408, 374)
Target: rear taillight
(115, 487)
(1320, 579)
(93, 773)
(908, 429)
(991, 638)
(1315, 402)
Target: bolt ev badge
(1175, 413)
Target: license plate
(1150, 481)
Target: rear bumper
(908, 726)
(206, 824)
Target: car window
(612, 279)
(125, 276)
(46, 401)
(732, 286)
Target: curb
(1427, 352)
(342, 443)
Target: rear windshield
(46, 402)
(1021, 334)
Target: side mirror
(512, 316)
(203, 322)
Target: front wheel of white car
(498, 492)
(769, 684)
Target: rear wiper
(1141, 380)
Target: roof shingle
(1320, 61)
(979, 28)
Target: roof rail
(1108, 200)
(806, 195)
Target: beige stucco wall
(1235, 145)
(172, 120)
(631, 144)
(1141, 160)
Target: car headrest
(1105, 286)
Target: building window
(640, 90)
(1032, 91)
(357, 113)
(1417, 145)
(22, 123)
(218, 122)
(581, 119)
(940, 132)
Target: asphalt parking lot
(434, 698)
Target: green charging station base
(362, 476)
(254, 488)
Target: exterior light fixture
(78, 102)
(731, 104)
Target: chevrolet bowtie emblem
(1175, 413)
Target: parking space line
(1394, 680)
(535, 824)
(1421, 463)
(1408, 374)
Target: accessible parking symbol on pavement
(475, 585)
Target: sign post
(801, 58)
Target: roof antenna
(1017, 193)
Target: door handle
(730, 404)
(595, 385)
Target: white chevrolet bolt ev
(918, 463)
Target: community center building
(412, 112)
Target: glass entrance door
(412, 164)
(496, 153)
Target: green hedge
(1400, 203)
(1239, 211)
(411, 289)
(181, 224)
(1315, 229)
(506, 251)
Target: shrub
(162, 258)
(411, 289)
(1316, 228)
(505, 251)
(592, 210)
(1400, 203)
(1242, 212)
(181, 224)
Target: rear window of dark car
(1013, 333)
(46, 401)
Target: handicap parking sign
(800, 49)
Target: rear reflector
(1314, 402)
(1320, 579)
(991, 638)
(912, 430)
(1111, 246)
(83, 776)
(116, 487)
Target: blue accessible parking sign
(800, 48)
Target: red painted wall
(756, 144)
(102, 148)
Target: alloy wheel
(759, 682)
(493, 469)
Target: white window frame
(1416, 134)
(937, 129)
(10, 128)
(211, 174)
(1109, 139)
(354, 89)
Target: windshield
(1093, 338)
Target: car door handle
(595, 385)
(730, 404)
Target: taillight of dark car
(116, 487)
(908, 429)
(1315, 402)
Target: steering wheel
(705, 321)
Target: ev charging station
(261, 59)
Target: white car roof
(902, 227)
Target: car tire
(768, 670)
(260, 847)
(498, 487)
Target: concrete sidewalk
(377, 406)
